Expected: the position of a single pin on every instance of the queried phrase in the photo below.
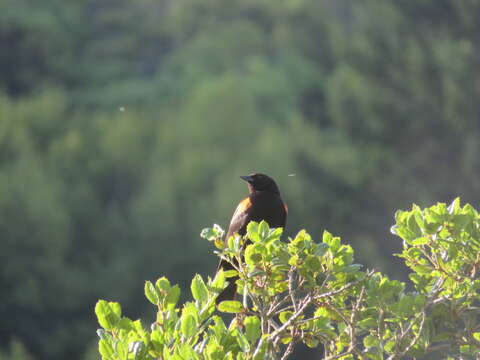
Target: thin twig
(289, 322)
(291, 290)
(353, 319)
(259, 346)
(338, 356)
(273, 309)
(289, 307)
(273, 324)
(413, 341)
(343, 288)
(288, 351)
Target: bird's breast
(269, 208)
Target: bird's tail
(229, 292)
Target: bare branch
(291, 290)
(288, 351)
(344, 287)
(353, 319)
(338, 356)
(308, 299)
(413, 341)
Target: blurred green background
(125, 124)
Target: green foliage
(301, 291)
(15, 351)
(123, 125)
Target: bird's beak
(247, 178)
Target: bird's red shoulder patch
(285, 207)
(244, 205)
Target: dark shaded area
(124, 126)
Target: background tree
(124, 126)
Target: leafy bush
(301, 291)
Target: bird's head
(260, 182)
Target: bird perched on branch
(262, 203)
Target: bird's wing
(240, 217)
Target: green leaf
(173, 297)
(400, 216)
(327, 237)
(212, 234)
(321, 249)
(312, 263)
(157, 339)
(137, 326)
(105, 349)
(107, 314)
(199, 289)
(274, 234)
(242, 342)
(405, 305)
(163, 285)
(208, 234)
(252, 255)
(214, 351)
(151, 293)
(137, 348)
(311, 342)
(263, 229)
(218, 284)
(462, 220)
(230, 306)
(116, 308)
(413, 225)
(285, 315)
(370, 341)
(102, 310)
(253, 232)
(454, 207)
(420, 241)
(218, 327)
(256, 272)
(389, 345)
(252, 328)
(332, 241)
(102, 334)
(188, 325)
(186, 352)
(466, 349)
(260, 355)
(302, 241)
(219, 244)
(294, 260)
(218, 230)
(417, 213)
(125, 324)
(436, 214)
(121, 349)
(367, 323)
(230, 241)
(237, 241)
(422, 269)
(230, 273)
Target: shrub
(302, 291)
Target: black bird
(262, 203)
